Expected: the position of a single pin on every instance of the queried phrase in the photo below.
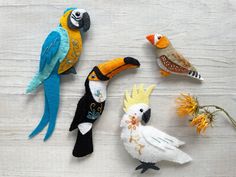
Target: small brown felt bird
(171, 61)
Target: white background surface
(204, 31)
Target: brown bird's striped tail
(195, 75)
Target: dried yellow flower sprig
(202, 118)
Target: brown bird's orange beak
(109, 69)
(151, 38)
(161, 43)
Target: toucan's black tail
(84, 144)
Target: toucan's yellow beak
(113, 67)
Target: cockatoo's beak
(111, 68)
(146, 116)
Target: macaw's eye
(141, 110)
(77, 14)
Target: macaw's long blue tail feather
(44, 120)
(52, 89)
(51, 92)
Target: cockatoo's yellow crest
(139, 95)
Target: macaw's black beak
(86, 22)
(146, 116)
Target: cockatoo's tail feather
(182, 157)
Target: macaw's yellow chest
(74, 52)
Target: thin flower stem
(223, 110)
(214, 112)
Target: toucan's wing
(79, 114)
(160, 139)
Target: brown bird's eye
(159, 37)
(77, 14)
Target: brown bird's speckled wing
(179, 60)
(171, 66)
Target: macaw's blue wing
(49, 49)
(54, 49)
(51, 85)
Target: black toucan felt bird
(91, 105)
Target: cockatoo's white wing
(165, 144)
(160, 139)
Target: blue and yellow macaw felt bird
(59, 54)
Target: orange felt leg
(164, 73)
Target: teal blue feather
(52, 95)
(55, 48)
(69, 8)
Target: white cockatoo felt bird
(146, 143)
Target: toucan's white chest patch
(98, 90)
(85, 127)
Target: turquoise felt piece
(49, 49)
(54, 49)
(69, 8)
(52, 94)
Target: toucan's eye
(141, 110)
(77, 14)
(93, 76)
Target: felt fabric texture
(69, 9)
(83, 145)
(62, 46)
(169, 60)
(70, 71)
(146, 143)
(88, 110)
(54, 49)
(52, 94)
(75, 41)
(91, 105)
